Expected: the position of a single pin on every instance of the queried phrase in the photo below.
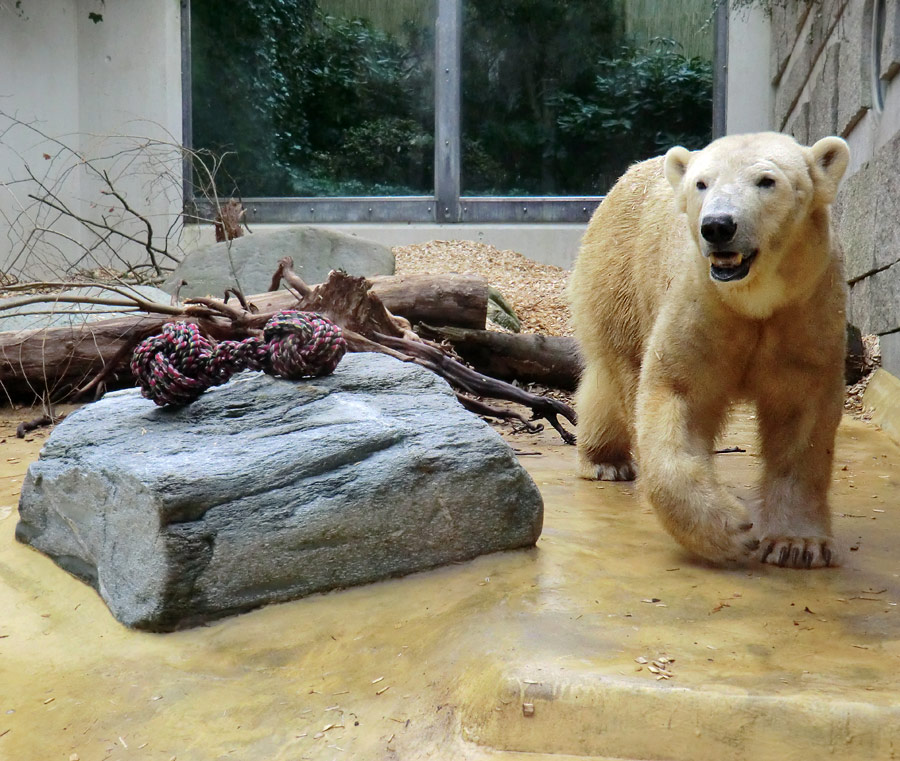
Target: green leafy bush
(642, 102)
(310, 104)
(238, 54)
(517, 56)
(386, 152)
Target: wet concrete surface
(544, 651)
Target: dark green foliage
(517, 57)
(642, 102)
(238, 83)
(554, 98)
(552, 104)
(359, 111)
(295, 94)
(371, 151)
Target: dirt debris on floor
(537, 292)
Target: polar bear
(704, 278)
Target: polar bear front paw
(607, 471)
(799, 551)
(724, 541)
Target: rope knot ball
(176, 366)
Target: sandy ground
(544, 651)
(604, 640)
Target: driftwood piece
(26, 426)
(60, 359)
(476, 384)
(50, 363)
(528, 358)
(229, 222)
(456, 300)
(856, 363)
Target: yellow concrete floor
(767, 663)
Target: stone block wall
(833, 64)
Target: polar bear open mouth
(726, 266)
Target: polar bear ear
(830, 157)
(676, 163)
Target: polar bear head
(757, 208)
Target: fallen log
(456, 300)
(51, 363)
(54, 363)
(528, 358)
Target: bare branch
(134, 302)
(98, 225)
(151, 251)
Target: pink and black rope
(178, 365)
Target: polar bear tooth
(727, 260)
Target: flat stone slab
(251, 260)
(266, 490)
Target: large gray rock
(890, 353)
(804, 47)
(873, 301)
(890, 43)
(798, 124)
(56, 314)
(265, 490)
(250, 261)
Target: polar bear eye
(765, 182)
(701, 185)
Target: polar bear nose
(718, 228)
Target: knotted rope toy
(176, 366)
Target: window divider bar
(720, 70)
(447, 109)
(187, 114)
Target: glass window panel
(316, 97)
(560, 96)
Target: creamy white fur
(668, 349)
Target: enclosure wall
(833, 66)
(80, 71)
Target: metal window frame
(187, 113)
(720, 70)
(447, 205)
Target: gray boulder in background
(58, 314)
(265, 490)
(252, 259)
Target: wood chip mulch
(535, 291)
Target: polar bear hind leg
(605, 425)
